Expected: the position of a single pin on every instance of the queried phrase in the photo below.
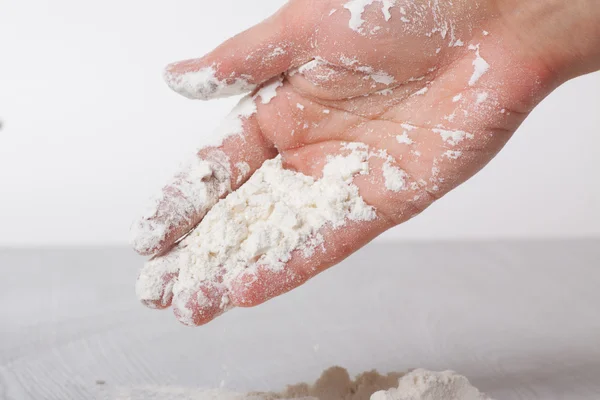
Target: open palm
(434, 91)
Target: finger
(199, 303)
(211, 174)
(243, 62)
(154, 286)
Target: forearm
(562, 35)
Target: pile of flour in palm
(336, 384)
(276, 212)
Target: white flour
(394, 177)
(274, 213)
(377, 76)
(269, 91)
(204, 85)
(357, 8)
(243, 170)
(481, 66)
(426, 385)
(453, 137)
(198, 186)
(404, 139)
(335, 384)
(200, 183)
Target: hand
(433, 89)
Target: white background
(90, 130)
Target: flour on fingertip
(203, 83)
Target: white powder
(325, 70)
(204, 85)
(425, 385)
(453, 137)
(408, 127)
(243, 170)
(336, 384)
(481, 97)
(269, 91)
(377, 76)
(299, 106)
(481, 66)
(274, 213)
(199, 185)
(453, 154)
(357, 8)
(404, 139)
(385, 8)
(421, 91)
(394, 177)
(456, 98)
(277, 51)
(385, 92)
(450, 117)
(381, 77)
(312, 65)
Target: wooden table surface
(520, 319)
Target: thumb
(245, 61)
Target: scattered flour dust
(370, 73)
(336, 384)
(357, 8)
(453, 137)
(274, 213)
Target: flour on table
(426, 385)
(335, 384)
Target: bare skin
(455, 120)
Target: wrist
(560, 36)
